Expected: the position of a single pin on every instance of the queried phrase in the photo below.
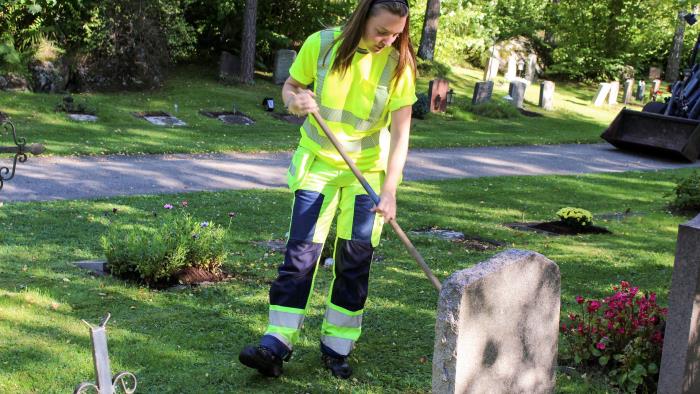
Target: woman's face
(381, 30)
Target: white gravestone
(497, 327)
(602, 94)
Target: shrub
(422, 106)
(621, 334)
(575, 217)
(687, 194)
(69, 105)
(495, 109)
(432, 68)
(156, 255)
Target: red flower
(593, 306)
(579, 299)
(600, 346)
(624, 284)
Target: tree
(248, 42)
(674, 58)
(426, 50)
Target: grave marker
(614, 92)
(547, 95)
(283, 61)
(482, 92)
(488, 339)
(602, 94)
(437, 91)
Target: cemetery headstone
(641, 88)
(602, 94)
(655, 86)
(283, 61)
(547, 95)
(512, 67)
(680, 358)
(487, 339)
(517, 92)
(437, 91)
(654, 73)
(492, 68)
(229, 65)
(627, 92)
(614, 92)
(531, 68)
(482, 92)
(83, 117)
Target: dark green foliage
(495, 108)
(422, 106)
(157, 254)
(432, 68)
(687, 194)
(69, 105)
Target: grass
(187, 341)
(196, 88)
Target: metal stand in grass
(100, 356)
(375, 198)
(19, 149)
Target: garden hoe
(375, 198)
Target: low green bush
(157, 254)
(687, 194)
(422, 106)
(495, 109)
(575, 217)
(432, 68)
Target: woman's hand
(302, 103)
(387, 206)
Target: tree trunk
(674, 57)
(248, 42)
(426, 50)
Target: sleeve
(304, 67)
(404, 93)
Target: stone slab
(98, 267)
(283, 61)
(603, 91)
(547, 95)
(165, 121)
(627, 91)
(680, 360)
(82, 117)
(614, 92)
(517, 92)
(498, 325)
(641, 87)
(482, 92)
(437, 91)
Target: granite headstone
(497, 327)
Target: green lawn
(188, 341)
(196, 88)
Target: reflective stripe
(339, 345)
(366, 142)
(381, 95)
(292, 169)
(286, 319)
(337, 318)
(281, 338)
(322, 69)
(291, 335)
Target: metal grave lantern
(19, 149)
(106, 384)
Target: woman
(364, 87)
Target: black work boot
(338, 365)
(262, 359)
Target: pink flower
(184, 204)
(593, 306)
(600, 346)
(168, 206)
(579, 299)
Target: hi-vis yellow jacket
(356, 106)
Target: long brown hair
(354, 29)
